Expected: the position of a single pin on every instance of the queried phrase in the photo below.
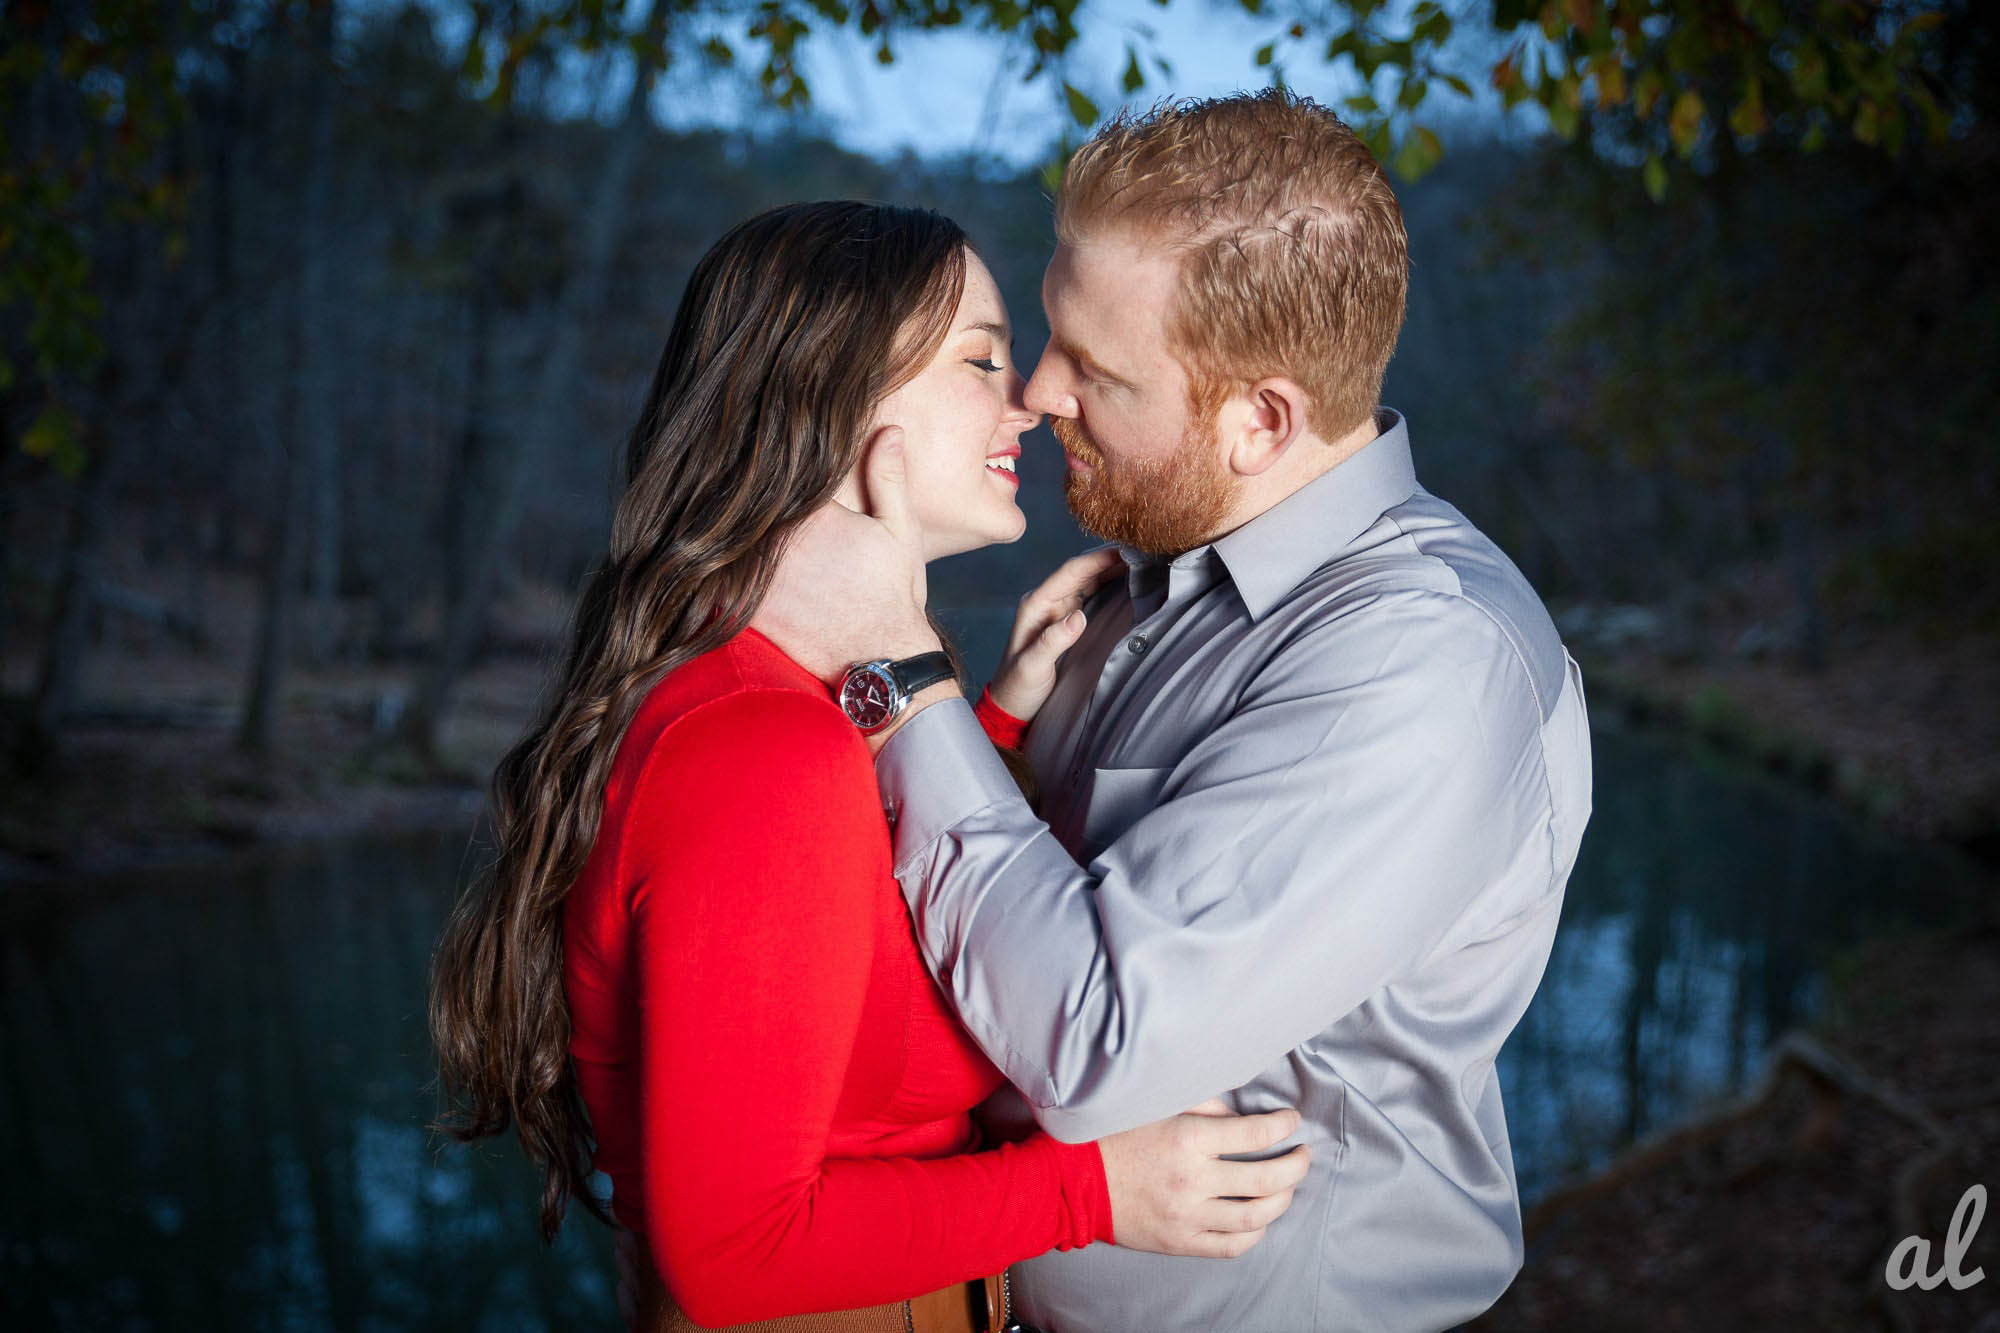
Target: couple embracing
(1157, 988)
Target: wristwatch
(874, 694)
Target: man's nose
(1045, 393)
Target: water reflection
(1705, 905)
(213, 1086)
(214, 1096)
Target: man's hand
(850, 586)
(1050, 619)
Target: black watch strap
(922, 671)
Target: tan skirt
(964, 1307)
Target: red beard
(1162, 506)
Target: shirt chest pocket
(1119, 798)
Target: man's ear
(1270, 415)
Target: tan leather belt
(964, 1307)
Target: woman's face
(962, 419)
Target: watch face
(868, 696)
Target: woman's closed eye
(985, 363)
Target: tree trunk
(274, 621)
(301, 419)
(496, 514)
(319, 419)
(60, 677)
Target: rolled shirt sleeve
(1376, 795)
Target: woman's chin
(999, 532)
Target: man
(1313, 777)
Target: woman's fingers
(1075, 579)
(1259, 1179)
(1060, 635)
(1059, 595)
(1221, 1244)
(1253, 1133)
(1245, 1214)
(1174, 1191)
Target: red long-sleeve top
(779, 1093)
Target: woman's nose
(1017, 402)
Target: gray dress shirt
(1312, 793)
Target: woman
(690, 964)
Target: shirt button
(1138, 643)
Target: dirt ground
(151, 772)
(1785, 1218)
(1900, 722)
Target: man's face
(1142, 470)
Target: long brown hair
(792, 328)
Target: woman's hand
(1049, 621)
(1172, 1193)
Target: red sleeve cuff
(1086, 1193)
(1002, 727)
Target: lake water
(214, 1085)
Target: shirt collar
(1272, 553)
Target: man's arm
(1321, 842)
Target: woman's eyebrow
(999, 331)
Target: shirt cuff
(938, 770)
(1086, 1193)
(1002, 726)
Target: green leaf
(1456, 84)
(1655, 174)
(1937, 120)
(1363, 103)
(1081, 109)
(1419, 153)
(1748, 119)
(1809, 74)
(1564, 119)
(1135, 78)
(1894, 129)
(1647, 92)
(1265, 53)
(1377, 139)
(1868, 122)
(52, 435)
(1684, 122)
